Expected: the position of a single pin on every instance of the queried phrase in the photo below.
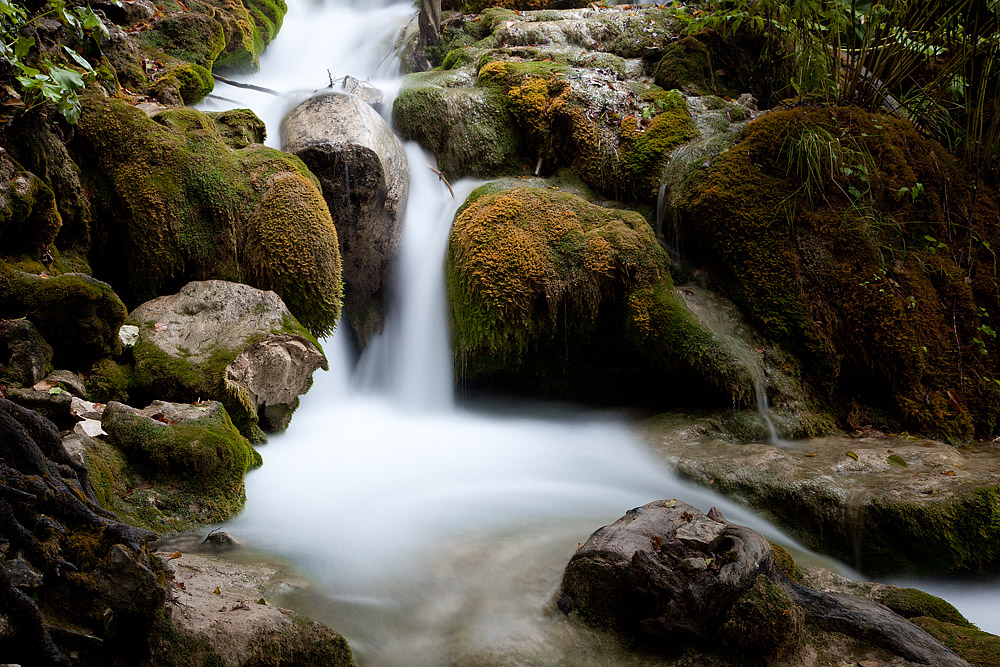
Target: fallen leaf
(55, 391)
(897, 460)
(42, 385)
(180, 584)
(240, 605)
(670, 503)
(176, 554)
(262, 601)
(217, 591)
(950, 473)
(160, 326)
(852, 455)
(813, 454)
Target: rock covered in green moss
(550, 290)
(856, 268)
(911, 603)
(474, 134)
(886, 505)
(25, 357)
(176, 203)
(228, 342)
(29, 218)
(171, 466)
(365, 178)
(78, 315)
(979, 648)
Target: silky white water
(433, 533)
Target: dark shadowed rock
(24, 354)
(671, 575)
(363, 171)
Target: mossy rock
(911, 603)
(476, 6)
(470, 130)
(78, 315)
(239, 128)
(842, 269)
(192, 37)
(182, 83)
(108, 381)
(550, 290)
(191, 459)
(176, 203)
(685, 65)
(29, 217)
(978, 648)
(763, 624)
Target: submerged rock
(364, 174)
(228, 342)
(556, 294)
(884, 505)
(673, 576)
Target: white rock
(128, 335)
(90, 428)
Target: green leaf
(23, 45)
(80, 60)
(56, 391)
(987, 330)
(897, 460)
(66, 78)
(852, 455)
(670, 503)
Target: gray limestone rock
(364, 175)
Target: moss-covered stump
(671, 577)
(876, 269)
(78, 315)
(551, 292)
(228, 342)
(170, 466)
(884, 505)
(176, 203)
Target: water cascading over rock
(363, 171)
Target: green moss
(763, 624)
(785, 562)
(910, 603)
(190, 83)
(29, 217)
(178, 204)
(685, 65)
(848, 281)
(198, 466)
(192, 37)
(476, 6)
(77, 315)
(646, 152)
(107, 381)
(976, 647)
(239, 128)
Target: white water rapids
(432, 533)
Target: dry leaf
(216, 591)
(176, 554)
(852, 455)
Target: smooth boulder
(364, 174)
(229, 342)
(672, 575)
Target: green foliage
(47, 80)
(935, 63)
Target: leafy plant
(47, 80)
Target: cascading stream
(431, 532)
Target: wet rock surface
(666, 574)
(883, 504)
(363, 171)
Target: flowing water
(432, 532)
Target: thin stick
(444, 180)
(248, 86)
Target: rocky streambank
(666, 226)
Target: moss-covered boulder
(228, 342)
(176, 203)
(170, 466)
(29, 218)
(78, 315)
(548, 290)
(853, 240)
(475, 134)
(25, 357)
(544, 90)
